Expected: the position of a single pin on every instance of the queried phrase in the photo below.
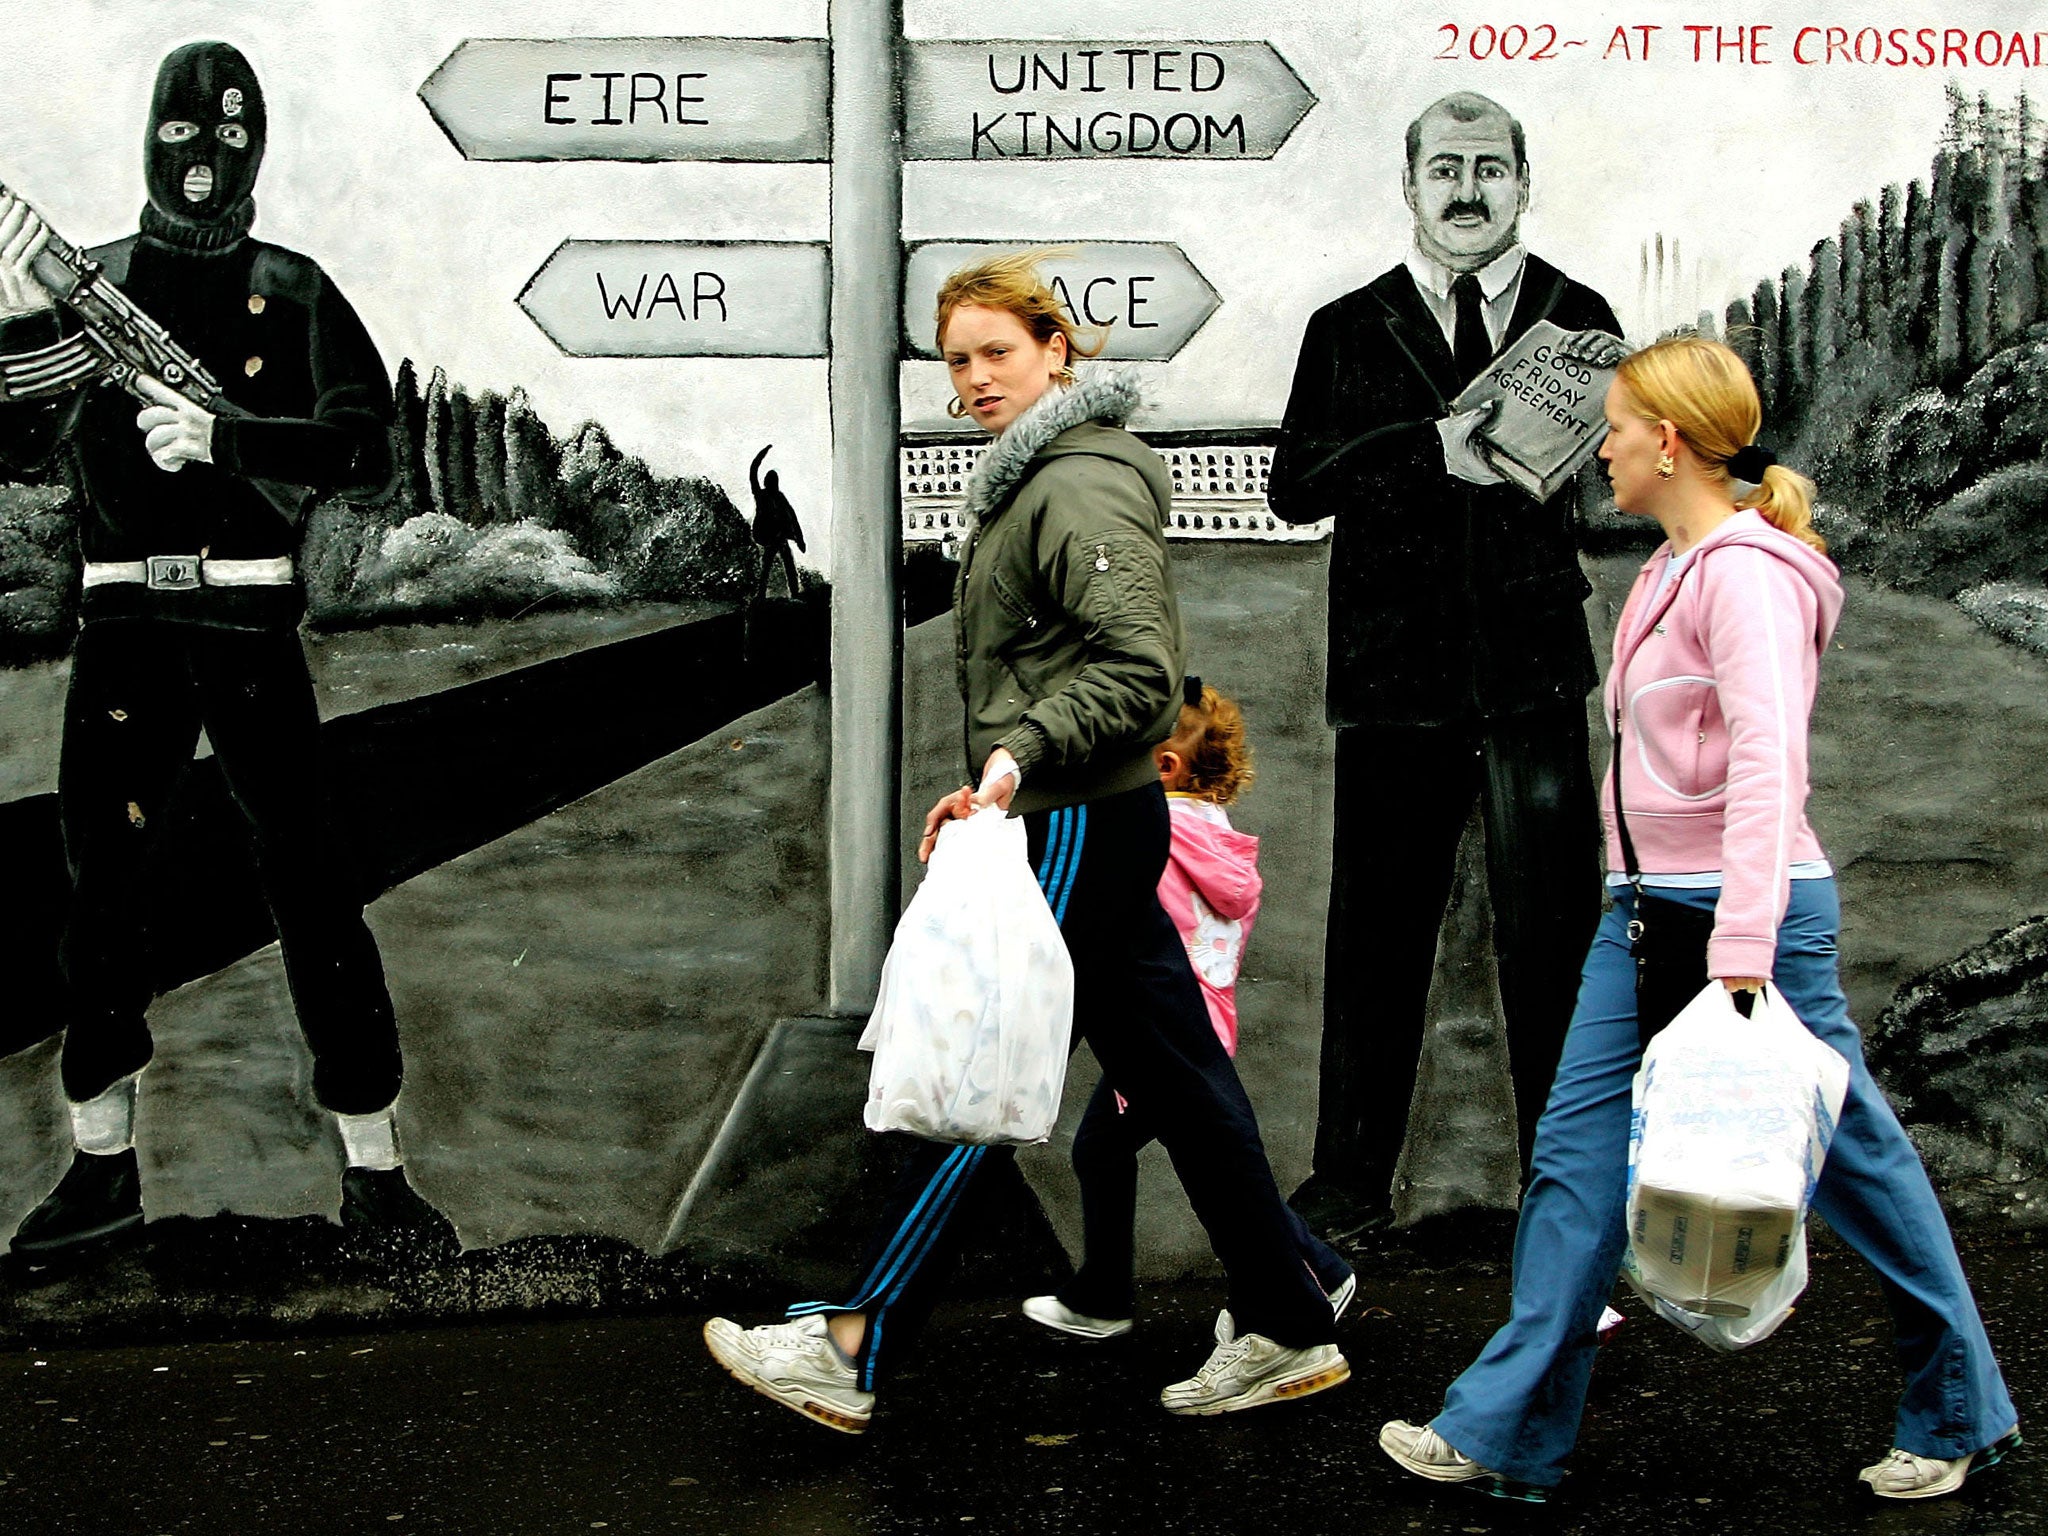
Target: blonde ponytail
(1786, 501)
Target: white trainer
(1902, 1475)
(1423, 1451)
(1418, 1448)
(1250, 1370)
(797, 1365)
(1061, 1318)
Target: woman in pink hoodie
(1716, 656)
(1211, 891)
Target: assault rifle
(119, 343)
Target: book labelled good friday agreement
(1550, 414)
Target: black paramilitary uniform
(152, 667)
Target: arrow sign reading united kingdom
(634, 98)
(1049, 100)
(1147, 294)
(683, 298)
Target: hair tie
(1748, 464)
(1191, 692)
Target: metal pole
(867, 627)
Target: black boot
(384, 1220)
(99, 1196)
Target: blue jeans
(1516, 1409)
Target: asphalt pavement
(623, 1424)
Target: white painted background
(1747, 166)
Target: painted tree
(1858, 238)
(533, 465)
(487, 454)
(459, 472)
(1794, 345)
(1889, 267)
(1769, 364)
(1825, 310)
(415, 494)
(434, 441)
(1739, 331)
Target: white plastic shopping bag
(971, 1025)
(1732, 1122)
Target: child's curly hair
(1210, 738)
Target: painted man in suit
(1459, 662)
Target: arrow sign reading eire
(683, 298)
(634, 98)
(1042, 99)
(1147, 297)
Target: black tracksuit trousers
(1137, 1003)
(140, 692)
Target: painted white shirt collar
(1500, 285)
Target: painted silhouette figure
(189, 531)
(775, 525)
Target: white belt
(188, 573)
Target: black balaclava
(209, 90)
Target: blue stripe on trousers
(876, 1277)
(1059, 912)
(1053, 831)
(871, 1346)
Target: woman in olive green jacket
(1069, 650)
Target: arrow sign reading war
(1148, 294)
(634, 98)
(1051, 100)
(683, 298)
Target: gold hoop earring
(1066, 377)
(1666, 466)
(957, 408)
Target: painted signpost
(1041, 100)
(633, 98)
(1146, 294)
(865, 100)
(683, 298)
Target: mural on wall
(570, 760)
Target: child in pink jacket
(1211, 891)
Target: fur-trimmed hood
(1098, 394)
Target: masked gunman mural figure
(775, 525)
(189, 526)
(1459, 662)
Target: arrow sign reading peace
(634, 98)
(1149, 295)
(683, 298)
(1050, 100)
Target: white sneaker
(1902, 1475)
(1340, 1298)
(797, 1365)
(1061, 1318)
(1251, 1369)
(1418, 1448)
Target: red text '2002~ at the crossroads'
(1756, 44)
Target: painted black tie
(1470, 345)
